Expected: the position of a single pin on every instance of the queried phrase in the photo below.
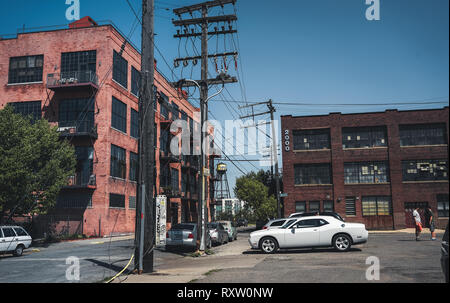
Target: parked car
(317, 231)
(444, 254)
(231, 229)
(276, 223)
(184, 235)
(217, 233)
(242, 222)
(14, 239)
(326, 213)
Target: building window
(184, 116)
(120, 69)
(134, 165)
(442, 205)
(135, 81)
(174, 175)
(311, 139)
(300, 206)
(119, 115)
(118, 162)
(184, 182)
(350, 206)
(79, 65)
(314, 206)
(26, 69)
(193, 185)
(425, 170)
(134, 127)
(77, 113)
(376, 206)
(164, 177)
(423, 134)
(364, 137)
(85, 165)
(366, 172)
(310, 174)
(31, 109)
(164, 107)
(132, 203)
(328, 206)
(175, 112)
(164, 140)
(116, 201)
(74, 200)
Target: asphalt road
(99, 259)
(401, 259)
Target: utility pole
(203, 85)
(274, 153)
(145, 210)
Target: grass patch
(212, 271)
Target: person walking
(418, 222)
(429, 217)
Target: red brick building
(85, 79)
(371, 168)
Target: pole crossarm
(212, 19)
(254, 115)
(196, 7)
(252, 105)
(209, 56)
(186, 35)
(184, 83)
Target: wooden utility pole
(203, 84)
(145, 210)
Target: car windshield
(288, 223)
(183, 227)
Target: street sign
(283, 195)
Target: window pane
(311, 139)
(425, 170)
(135, 81)
(328, 206)
(119, 115)
(30, 109)
(423, 134)
(120, 70)
(118, 162)
(364, 137)
(116, 201)
(300, 207)
(132, 202)
(312, 174)
(366, 172)
(314, 206)
(134, 129)
(25, 69)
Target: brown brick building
(371, 168)
(79, 79)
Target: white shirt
(416, 216)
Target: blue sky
(302, 51)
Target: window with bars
(119, 115)
(116, 201)
(135, 81)
(366, 172)
(134, 165)
(174, 177)
(77, 113)
(134, 124)
(364, 137)
(350, 206)
(118, 162)
(79, 65)
(132, 202)
(423, 134)
(31, 109)
(442, 205)
(311, 139)
(120, 69)
(300, 206)
(425, 170)
(314, 206)
(26, 69)
(310, 174)
(376, 206)
(328, 206)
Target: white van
(14, 239)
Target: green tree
(34, 164)
(262, 206)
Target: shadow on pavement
(300, 251)
(110, 266)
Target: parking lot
(401, 260)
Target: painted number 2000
(287, 141)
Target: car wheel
(269, 245)
(342, 242)
(18, 251)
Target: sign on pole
(161, 211)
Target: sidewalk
(406, 230)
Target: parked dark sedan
(444, 254)
(242, 222)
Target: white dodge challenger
(317, 231)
